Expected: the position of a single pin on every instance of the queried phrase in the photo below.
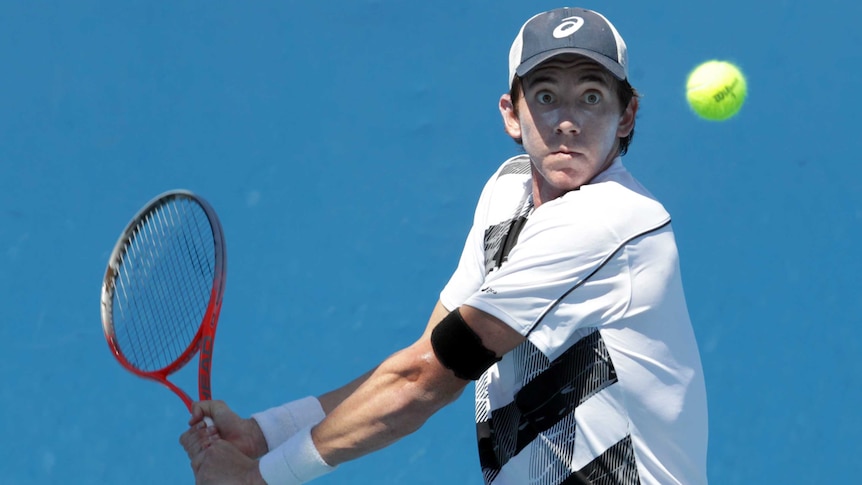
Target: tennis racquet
(163, 290)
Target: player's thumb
(199, 410)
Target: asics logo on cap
(569, 26)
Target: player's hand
(244, 434)
(221, 463)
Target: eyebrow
(584, 78)
(593, 77)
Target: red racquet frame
(205, 337)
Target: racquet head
(163, 288)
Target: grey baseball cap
(568, 31)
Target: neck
(545, 192)
(542, 190)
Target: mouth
(564, 152)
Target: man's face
(569, 120)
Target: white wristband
(295, 462)
(281, 422)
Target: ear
(511, 123)
(627, 120)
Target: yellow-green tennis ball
(716, 90)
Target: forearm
(334, 398)
(392, 401)
(371, 412)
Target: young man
(566, 308)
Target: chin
(567, 181)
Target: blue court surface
(344, 145)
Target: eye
(592, 98)
(545, 97)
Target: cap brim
(612, 66)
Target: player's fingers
(197, 460)
(187, 438)
(197, 438)
(205, 408)
(197, 414)
(200, 411)
(210, 453)
(189, 442)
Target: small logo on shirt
(488, 289)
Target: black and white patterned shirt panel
(542, 414)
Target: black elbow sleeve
(459, 349)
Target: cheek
(603, 127)
(549, 118)
(531, 136)
(536, 127)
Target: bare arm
(373, 411)
(332, 399)
(397, 397)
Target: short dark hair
(624, 90)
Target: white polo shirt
(609, 382)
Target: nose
(567, 123)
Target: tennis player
(566, 309)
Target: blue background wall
(344, 145)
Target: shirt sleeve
(570, 267)
(470, 273)
(559, 249)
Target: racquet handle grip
(208, 421)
